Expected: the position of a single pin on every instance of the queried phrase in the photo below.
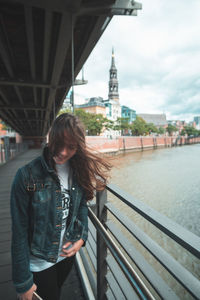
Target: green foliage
(161, 130)
(151, 128)
(121, 124)
(189, 130)
(171, 128)
(62, 111)
(138, 127)
(94, 123)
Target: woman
(49, 209)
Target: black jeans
(49, 282)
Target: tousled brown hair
(90, 169)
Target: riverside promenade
(72, 288)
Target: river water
(168, 180)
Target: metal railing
(9, 151)
(116, 269)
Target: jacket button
(73, 188)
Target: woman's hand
(29, 294)
(75, 247)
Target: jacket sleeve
(83, 217)
(20, 199)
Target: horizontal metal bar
(186, 279)
(92, 256)
(182, 236)
(120, 278)
(84, 278)
(33, 84)
(92, 244)
(92, 230)
(91, 275)
(109, 295)
(147, 270)
(6, 107)
(114, 287)
(130, 273)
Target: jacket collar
(47, 160)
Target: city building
(159, 120)
(197, 121)
(128, 113)
(178, 124)
(94, 105)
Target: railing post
(141, 140)
(101, 247)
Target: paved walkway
(72, 287)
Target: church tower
(113, 82)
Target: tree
(122, 124)
(189, 130)
(94, 123)
(171, 128)
(161, 130)
(63, 110)
(138, 127)
(151, 128)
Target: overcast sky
(157, 55)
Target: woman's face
(65, 154)
(67, 151)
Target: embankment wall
(133, 143)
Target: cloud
(157, 57)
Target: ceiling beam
(23, 107)
(5, 58)
(63, 43)
(30, 39)
(61, 6)
(46, 52)
(31, 46)
(30, 84)
(10, 122)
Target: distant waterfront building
(128, 113)
(197, 121)
(159, 120)
(95, 105)
(178, 124)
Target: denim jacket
(36, 213)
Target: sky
(157, 55)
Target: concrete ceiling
(36, 54)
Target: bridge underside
(36, 55)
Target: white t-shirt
(38, 264)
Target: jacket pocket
(43, 193)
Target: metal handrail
(182, 236)
(139, 286)
(182, 275)
(103, 268)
